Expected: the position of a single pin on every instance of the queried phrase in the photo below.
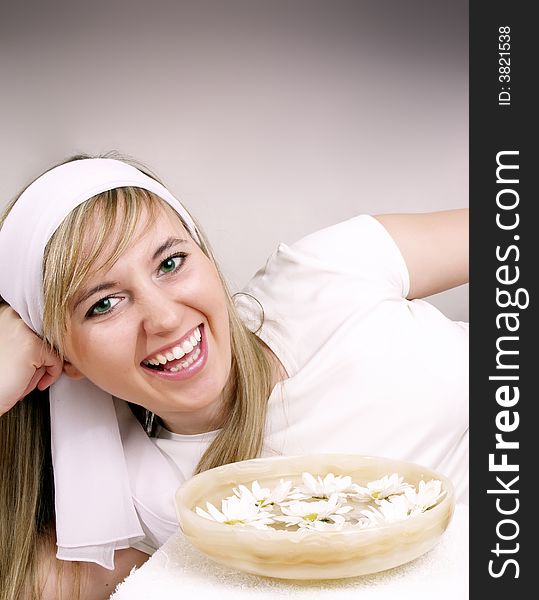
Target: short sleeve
(362, 247)
(309, 289)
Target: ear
(72, 371)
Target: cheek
(215, 309)
(218, 308)
(96, 351)
(206, 294)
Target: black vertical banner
(504, 259)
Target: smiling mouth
(178, 357)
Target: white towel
(178, 570)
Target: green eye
(169, 264)
(102, 307)
(172, 263)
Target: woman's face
(153, 329)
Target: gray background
(269, 119)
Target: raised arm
(434, 246)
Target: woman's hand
(25, 361)
(434, 246)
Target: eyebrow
(169, 243)
(102, 287)
(108, 285)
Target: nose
(161, 313)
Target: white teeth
(185, 363)
(178, 352)
(196, 354)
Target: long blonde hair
(26, 495)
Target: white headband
(102, 458)
(39, 211)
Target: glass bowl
(305, 553)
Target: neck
(213, 416)
(189, 423)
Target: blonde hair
(65, 266)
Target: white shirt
(369, 371)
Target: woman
(324, 352)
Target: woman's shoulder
(307, 289)
(345, 238)
(355, 251)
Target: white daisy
(322, 489)
(382, 488)
(264, 497)
(237, 511)
(427, 496)
(322, 515)
(396, 508)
